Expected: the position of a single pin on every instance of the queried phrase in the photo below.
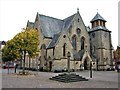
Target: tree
(27, 42)
(9, 52)
(24, 42)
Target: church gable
(58, 37)
(77, 33)
(51, 28)
(62, 46)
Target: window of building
(78, 19)
(53, 51)
(94, 48)
(82, 43)
(78, 31)
(64, 36)
(92, 25)
(101, 23)
(64, 49)
(97, 23)
(74, 42)
(104, 24)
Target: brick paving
(101, 79)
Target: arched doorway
(86, 59)
(50, 65)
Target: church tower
(100, 41)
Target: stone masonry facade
(58, 37)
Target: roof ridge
(69, 16)
(50, 17)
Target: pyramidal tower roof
(98, 17)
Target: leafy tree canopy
(26, 41)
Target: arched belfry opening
(98, 20)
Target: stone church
(85, 44)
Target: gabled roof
(98, 17)
(30, 24)
(78, 55)
(54, 40)
(50, 25)
(99, 27)
(68, 20)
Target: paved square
(101, 79)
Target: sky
(14, 14)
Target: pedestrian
(15, 65)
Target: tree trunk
(24, 62)
(8, 66)
(29, 62)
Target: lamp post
(97, 64)
(68, 55)
(90, 69)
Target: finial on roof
(77, 9)
(97, 11)
(37, 14)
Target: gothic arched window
(74, 42)
(82, 43)
(78, 31)
(64, 49)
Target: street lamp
(68, 55)
(90, 69)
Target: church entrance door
(85, 64)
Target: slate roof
(67, 21)
(50, 25)
(54, 40)
(88, 28)
(99, 27)
(98, 17)
(30, 24)
(79, 55)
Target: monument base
(68, 77)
